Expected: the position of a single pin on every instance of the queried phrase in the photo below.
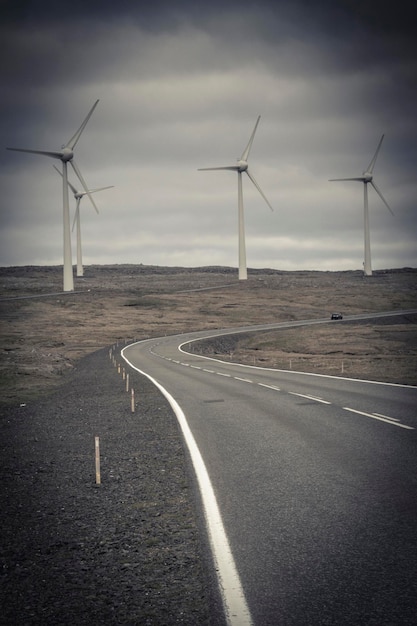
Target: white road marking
(234, 601)
(394, 419)
(376, 417)
(208, 371)
(221, 374)
(269, 386)
(245, 380)
(293, 393)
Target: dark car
(336, 316)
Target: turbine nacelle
(66, 154)
(367, 177)
(242, 166)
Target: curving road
(314, 485)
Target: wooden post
(97, 446)
(132, 400)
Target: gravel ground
(131, 550)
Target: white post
(97, 447)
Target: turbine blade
(259, 189)
(73, 189)
(82, 181)
(72, 142)
(246, 151)
(371, 165)
(228, 167)
(101, 189)
(76, 214)
(382, 197)
(360, 178)
(55, 155)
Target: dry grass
(43, 334)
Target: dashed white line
(245, 380)
(394, 419)
(208, 371)
(269, 386)
(315, 398)
(381, 419)
(221, 374)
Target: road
(315, 482)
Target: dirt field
(44, 332)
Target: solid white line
(234, 601)
(309, 397)
(381, 419)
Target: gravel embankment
(129, 551)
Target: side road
(127, 551)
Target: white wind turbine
(367, 177)
(77, 219)
(242, 166)
(66, 155)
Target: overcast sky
(181, 85)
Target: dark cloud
(180, 87)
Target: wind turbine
(242, 166)
(77, 220)
(66, 155)
(367, 177)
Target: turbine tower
(77, 220)
(240, 167)
(66, 155)
(367, 177)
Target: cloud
(180, 89)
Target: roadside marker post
(97, 448)
(132, 400)
(127, 382)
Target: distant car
(336, 316)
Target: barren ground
(44, 332)
(135, 550)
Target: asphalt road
(316, 482)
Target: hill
(46, 331)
